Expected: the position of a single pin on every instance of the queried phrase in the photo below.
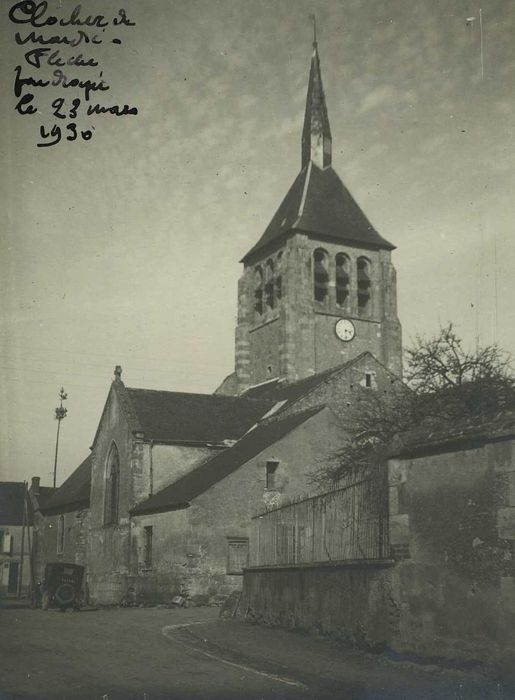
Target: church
(162, 506)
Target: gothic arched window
(342, 278)
(112, 491)
(258, 291)
(320, 275)
(364, 285)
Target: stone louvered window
(112, 491)
(342, 278)
(237, 555)
(320, 275)
(364, 285)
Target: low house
(16, 519)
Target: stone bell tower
(318, 288)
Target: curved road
(181, 654)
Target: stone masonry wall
(451, 590)
(296, 338)
(190, 546)
(108, 555)
(452, 527)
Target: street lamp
(60, 414)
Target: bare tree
(445, 384)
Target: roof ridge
(330, 372)
(194, 393)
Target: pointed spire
(316, 135)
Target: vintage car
(62, 586)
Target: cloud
(376, 98)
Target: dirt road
(182, 654)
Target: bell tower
(318, 288)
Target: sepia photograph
(257, 307)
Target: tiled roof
(194, 418)
(73, 493)
(318, 203)
(45, 493)
(12, 494)
(181, 492)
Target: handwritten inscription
(48, 65)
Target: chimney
(118, 372)
(34, 487)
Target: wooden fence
(346, 524)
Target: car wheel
(65, 594)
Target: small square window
(271, 470)
(237, 555)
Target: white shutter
(8, 543)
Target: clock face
(344, 329)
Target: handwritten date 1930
(56, 134)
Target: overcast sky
(124, 249)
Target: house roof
(437, 437)
(181, 492)
(73, 493)
(171, 416)
(318, 203)
(12, 494)
(45, 492)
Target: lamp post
(60, 413)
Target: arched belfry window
(364, 285)
(320, 275)
(269, 285)
(258, 291)
(342, 278)
(112, 493)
